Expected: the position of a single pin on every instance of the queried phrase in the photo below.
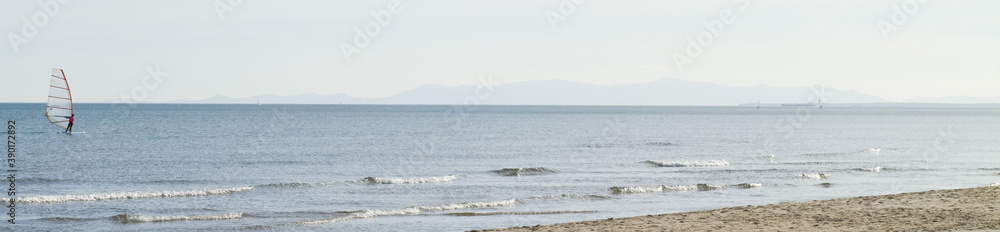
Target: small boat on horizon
(803, 104)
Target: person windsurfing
(72, 118)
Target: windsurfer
(72, 118)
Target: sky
(893, 49)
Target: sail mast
(68, 91)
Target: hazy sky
(932, 49)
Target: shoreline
(968, 209)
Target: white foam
(707, 187)
(127, 195)
(871, 169)
(523, 171)
(749, 185)
(631, 190)
(993, 185)
(125, 218)
(414, 180)
(664, 188)
(815, 176)
(568, 197)
(466, 205)
(414, 210)
(706, 163)
(367, 214)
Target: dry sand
(975, 209)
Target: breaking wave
(413, 210)
(664, 188)
(367, 214)
(749, 185)
(567, 197)
(414, 180)
(125, 218)
(523, 171)
(707, 163)
(127, 195)
(467, 205)
(993, 185)
(871, 169)
(815, 176)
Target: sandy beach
(974, 209)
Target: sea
(204, 167)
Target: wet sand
(974, 209)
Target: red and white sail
(60, 105)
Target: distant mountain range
(666, 91)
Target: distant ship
(806, 104)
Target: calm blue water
(440, 168)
